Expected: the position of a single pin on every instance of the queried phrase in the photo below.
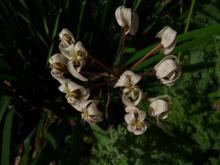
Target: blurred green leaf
(6, 139)
(4, 102)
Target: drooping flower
(76, 54)
(127, 19)
(58, 67)
(66, 37)
(75, 94)
(168, 39)
(159, 107)
(135, 120)
(131, 92)
(167, 70)
(89, 111)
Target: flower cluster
(167, 71)
(131, 97)
(72, 59)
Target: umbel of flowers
(73, 57)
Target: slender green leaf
(4, 102)
(83, 6)
(56, 24)
(46, 26)
(6, 139)
(49, 53)
(24, 4)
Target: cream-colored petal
(165, 68)
(172, 77)
(167, 35)
(73, 86)
(134, 24)
(80, 48)
(58, 76)
(157, 107)
(131, 97)
(82, 105)
(141, 115)
(130, 108)
(170, 48)
(163, 97)
(134, 77)
(123, 16)
(130, 118)
(57, 58)
(63, 88)
(74, 72)
(68, 51)
(127, 78)
(122, 82)
(92, 109)
(139, 96)
(126, 101)
(131, 128)
(66, 36)
(140, 130)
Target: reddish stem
(156, 48)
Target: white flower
(89, 110)
(135, 120)
(76, 54)
(167, 70)
(66, 37)
(75, 94)
(131, 92)
(127, 19)
(168, 38)
(159, 107)
(58, 67)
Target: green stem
(189, 15)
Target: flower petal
(74, 72)
(165, 67)
(141, 115)
(134, 24)
(167, 70)
(92, 109)
(68, 51)
(63, 87)
(167, 35)
(132, 97)
(170, 48)
(66, 36)
(123, 16)
(81, 49)
(126, 78)
(131, 108)
(57, 58)
(159, 106)
(130, 118)
(140, 130)
(58, 76)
